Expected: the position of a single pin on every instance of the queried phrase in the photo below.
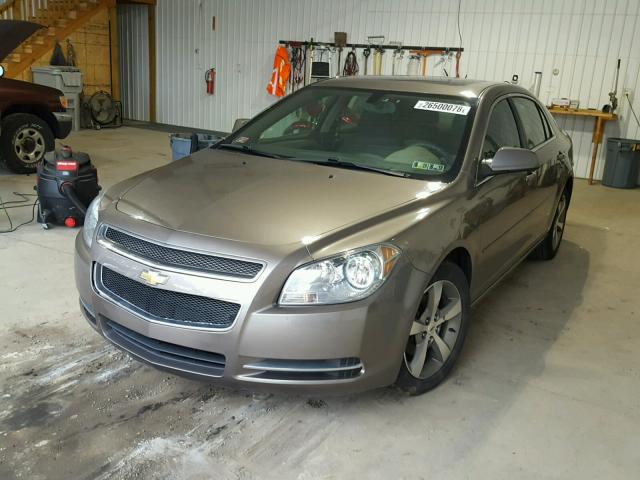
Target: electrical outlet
(627, 92)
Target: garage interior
(547, 385)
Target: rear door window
(532, 122)
(502, 130)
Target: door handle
(531, 179)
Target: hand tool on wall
(423, 53)
(297, 61)
(613, 95)
(350, 64)
(398, 55)
(380, 52)
(365, 53)
(340, 41)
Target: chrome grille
(173, 257)
(166, 305)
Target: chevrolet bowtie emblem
(153, 278)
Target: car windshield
(407, 134)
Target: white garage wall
(582, 38)
(133, 50)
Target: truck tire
(24, 139)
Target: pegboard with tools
(314, 60)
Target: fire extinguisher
(210, 79)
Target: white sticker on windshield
(442, 107)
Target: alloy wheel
(559, 222)
(435, 330)
(29, 145)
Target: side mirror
(239, 123)
(510, 160)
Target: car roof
(434, 85)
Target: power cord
(632, 110)
(24, 202)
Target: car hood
(260, 200)
(13, 33)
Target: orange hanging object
(280, 73)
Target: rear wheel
(24, 139)
(438, 331)
(548, 248)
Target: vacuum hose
(68, 191)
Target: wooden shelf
(583, 112)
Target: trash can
(622, 163)
(183, 144)
(66, 79)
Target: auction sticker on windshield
(442, 107)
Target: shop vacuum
(67, 182)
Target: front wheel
(438, 331)
(24, 140)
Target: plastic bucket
(180, 145)
(184, 144)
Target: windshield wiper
(249, 150)
(334, 162)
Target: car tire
(24, 139)
(438, 332)
(548, 248)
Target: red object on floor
(70, 222)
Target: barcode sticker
(442, 107)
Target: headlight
(63, 102)
(91, 221)
(344, 278)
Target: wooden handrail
(9, 9)
(21, 9)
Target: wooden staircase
(60, 18)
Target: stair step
(59, 17)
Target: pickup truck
(31, 116)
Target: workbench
(598, 128)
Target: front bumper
(64, 123)
(334, 348)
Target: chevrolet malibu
(334, 243)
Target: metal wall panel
(581, 38)
(133, 47)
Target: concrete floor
(548, 385)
